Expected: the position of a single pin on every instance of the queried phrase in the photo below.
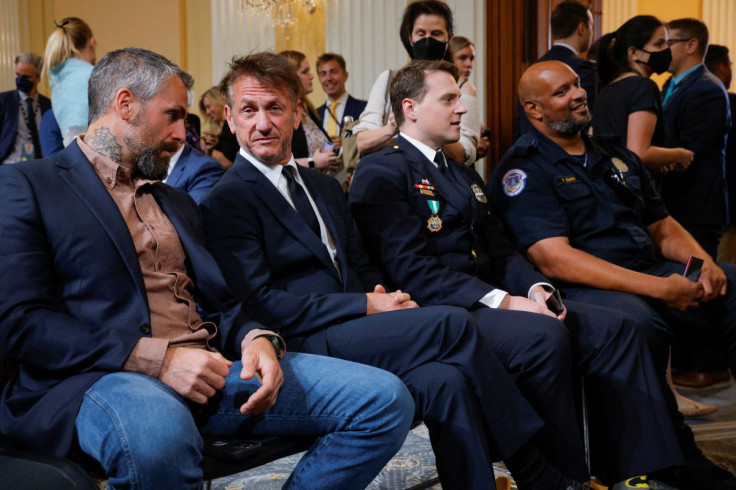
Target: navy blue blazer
(697, 117)
(353, 107)
(9, 119)
(195, 173)
(72, 300)
(457, 265)
(275, 264)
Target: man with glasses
(697, 117)
(586, 213)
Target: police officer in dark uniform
(588, 216)
(427, 224)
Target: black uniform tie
(33, 128)
(301, 200)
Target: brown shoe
(695, 379)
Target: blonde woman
(222, 146)
(69, 57)
(310, 144)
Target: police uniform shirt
(601, 203)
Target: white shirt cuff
(547, 286)
(494, 298)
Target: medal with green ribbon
(434, 223)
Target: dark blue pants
(629, 436)
(473, 410)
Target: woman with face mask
(426, 31)
(629, 105)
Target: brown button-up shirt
(174, 318)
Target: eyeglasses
(670, 42)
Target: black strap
(31, 120)
(301, 200)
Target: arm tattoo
(105, 143)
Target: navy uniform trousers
(629, 434)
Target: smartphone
(554, 302)
(692, 268)
(328, 147)
(231, 448)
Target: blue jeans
(146, 436)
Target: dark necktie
(439, 159)
(33, 128)
(300, 199)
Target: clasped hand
(197, 374)
(379, 300)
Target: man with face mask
(697, 117)
(21, 111)
(426, 31)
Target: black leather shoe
(699, 474)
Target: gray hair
(142, 72)
(31, 58)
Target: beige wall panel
(720, 17)
(140, 23)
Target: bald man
(587, 215)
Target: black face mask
(428, 48)
(23, 83)
(659, 61)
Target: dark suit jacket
(731, 162)
(275, 264)
(583, 67)
(195, 173)
(353, 107)
(457, 265)
(9, 119)
(72, 300)
(697, 117)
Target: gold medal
(434, 223)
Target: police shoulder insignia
(619, 164)
(514, 182)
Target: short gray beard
(568, 127)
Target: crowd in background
(612, 187)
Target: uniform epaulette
(524, 146)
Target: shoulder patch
(513, 182)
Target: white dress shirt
(273, 173)
(339, 111)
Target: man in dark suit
(426, 222)
(286, 244)
(697, 117)
(571, 26)
(333, 74)
(21, 111)
(112, 309)
(193, 172)
(719, 63)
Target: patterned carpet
(414, 466)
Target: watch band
(276, 342)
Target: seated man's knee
(136, 426)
